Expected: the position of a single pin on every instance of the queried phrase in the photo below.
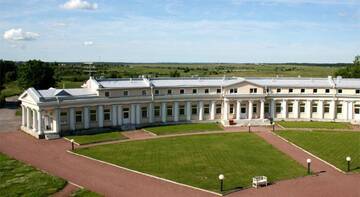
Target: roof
(79, 92)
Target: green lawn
(69, 84)
(99, 137)
(184, 128)
(84, 193)
(198, 160)
(332, 146)
(19, 179)
(315, 125)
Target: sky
(234, 31)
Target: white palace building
(139, 102)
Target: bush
(2, 100)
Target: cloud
(79, 4)
(88, 43)
(19, 35)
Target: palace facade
(139, 102)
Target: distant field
(314, 125)
(199, 159)
(184, 128)
(332, 146)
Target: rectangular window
(126, 113)
(63, 117)
(194, 91)
(169, 92)
(231, 91)
(206, 109)
(291, 90)
(254, 109)
(107, 94)
(193, 109)
(327, 91)
(235, 90)
(157, 92)
(231, 108)
(339, 108)
(267, 90)
(157, 111)
(302, 107)
(253, 90)
(218, 108)
(182, 91)
(278, 90)
(314, 90)
(339, 91)
(169, 111)
(357, 109)
(243, 110)
(290, 107)
(267, 108)
(357, 91)
(143, 92)
(314, 107)
(326, 108)
(182, 109)
(78, 116)
(278, 107)
(144, 113)
(218, 91)
(107, 114)
(302, 90)
(126, 93)
(93, 115)
(206, 91)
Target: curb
(145, 174)
(67, 139)
(329, 164)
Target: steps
(51, 136)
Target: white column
(133, 114)
(262, 109)
(188, 111)
(345, 110)
(86, 118)
(332, 110)
(176, 111)
(308, 109)
(72, 118)
(296, 109)
(272, 109)
(250, 110)
(212, 110)
(56, 121)
(23, 116)
(28, 118)
(350, 110)
(163, 112)
(138, 112)
(151, 112)
(40, 123)
(284, 109)
(321, 109)
(201, 110)
(238, 110)
(226, 110)
(34, 120)
(100, 112)
(114, 115)
(119, 115)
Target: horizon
(181, 31)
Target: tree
(175, 73)
(351, 71)
(6, 67)
(37, 74)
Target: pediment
(243, 84)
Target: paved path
(8, 120)
(329, 182)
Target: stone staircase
(51, 136)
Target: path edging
(329, 164)
(145, 174)
(67, 139)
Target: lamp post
(308, 161)
(348, 159)
(273, 126)
(72, 144)
(221, 178)
(249, 125)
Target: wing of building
(132, 103)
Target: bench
(259, 181)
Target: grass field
(315, 125)
(332, 146)
(84, 193)
(198, 160)
(98, 137)
(184, 128)
(19, 179)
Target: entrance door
(243, 113)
